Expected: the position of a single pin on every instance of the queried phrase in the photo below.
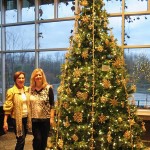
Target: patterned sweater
(41, 103)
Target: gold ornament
(77, 72)
(84, 3)
(67, 124)
(82, 96)
(60, 89)
(105, 67)
(114, 102)
(68, 90)
(75, 137)
(78, 117)
(65, 105)
(99, 48)
(67, 55)
(133, 88)
(90, 26)
(118, 63)
(77, 37)
(106, 41)
(119, 119)
(105, 24)
(140, 145)
(132, 122)
(85, 54)
(102, 118)
(49, 143)
(60, 143)
(85, 19)
(127, 135)
(143, 126)
(103, 99)
(106, 83)
(109, 138)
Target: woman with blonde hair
(41, 105)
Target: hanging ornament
(67, 124)
(105, 67)
(102, 118)
(106, 83)
(85, 19)
(60, 89)
(99, 48)
(119, 119)
(85, 54)
(77, 72)
(82, 96)
(118, 63)
(65, 105)
(114, 102)
(143, 126)
(68, 90)
(78, 117)
(133, 88)
(103, 99)
(109, 138)
(127, 135)
(75, 137)
(132, 122)
(84, 3)
(60, 143)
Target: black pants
(40, 130)
(21, 139)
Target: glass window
(115, 24)
(136, 5)
(11, 11)
(138, 66)
(20, 37)
(19, 62)
(66, 8)
(56, 34)
(136, 30)
(0, 12)
(51, 63)
(113, 6)
(46, 9)
(28, 10)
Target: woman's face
(38, 77)
(20, 81)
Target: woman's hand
(5, 127)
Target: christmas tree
(93, 110)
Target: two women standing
(35, 103)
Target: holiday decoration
(94, 111)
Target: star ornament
(85, 54)
(102, 118)
(114, 102)
(77, 72)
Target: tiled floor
(7, 142)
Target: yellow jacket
(13, 105)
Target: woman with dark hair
(42, 111)
(16, 105)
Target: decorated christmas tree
(95, 109)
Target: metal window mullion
(19, 10)
(3, 48)
(123, 24)
(36, 33)
(56, 2)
